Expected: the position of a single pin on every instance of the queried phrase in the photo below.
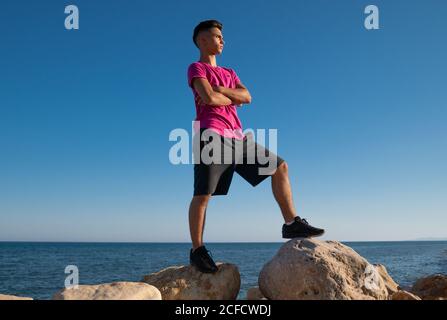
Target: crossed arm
(216, 96)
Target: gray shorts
(250, 160)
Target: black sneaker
(202, 260)
(300, 228)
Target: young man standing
(217, 92)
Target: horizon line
(209, 242)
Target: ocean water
(37, 270)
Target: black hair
(205, 25)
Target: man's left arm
(239, 95)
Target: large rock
(8, 297)
(255, 294)
(391, 286)
(320, 270)
(110, 291)
(404, 295)
(433, 287)
(187, 283)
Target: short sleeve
(235, 77)
(195, 70)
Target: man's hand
(199, 101)
(238, 96)
(207, 96)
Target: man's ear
(201, 39)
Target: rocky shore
(302, 269)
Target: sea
(38, 269)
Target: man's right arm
(208, 95)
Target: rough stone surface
(187, 283)
(255, 294)
(404, 295)
(433, 287)
(110, 291)
(9, 297)
(311, 269)
(390, 284)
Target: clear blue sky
(85, 118)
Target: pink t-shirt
(216, 118)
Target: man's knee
(282, 168)
(201, 200)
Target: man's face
(212, 41)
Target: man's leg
(197, 213)
(298, 228)
(283, 192)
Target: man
(217, 92)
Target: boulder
(110, 291)
(255, 294)
(391, 286)
(404, 295)
(311, 269)
(187, 283)
(8, 297)
(433, 287)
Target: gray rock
(404, 295)
(390, 284)
(110, 291)
(311, 269)
(9, 297)
(433, 287)
(187, 283)
(255, 294)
